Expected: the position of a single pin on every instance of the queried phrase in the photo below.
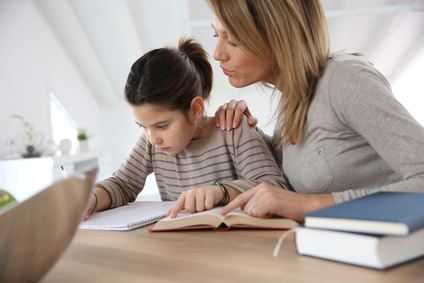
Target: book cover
(378, 252)
(128, 217)
(383, 213)
(211, 219)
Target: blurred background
(63, 64)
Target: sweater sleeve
(365, 102)
(128, 181)
(254, 162)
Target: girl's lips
(164, 149)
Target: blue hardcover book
(383, 213)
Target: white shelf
(25, 177)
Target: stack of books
(379, 231)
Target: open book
(211, 219)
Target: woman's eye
(232, 43)
(229, 42)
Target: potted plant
(30, 139)
(82, 138)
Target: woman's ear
(197, 108)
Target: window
(409, 89)
(63, 125)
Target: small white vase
(83, 145)
(65, 146)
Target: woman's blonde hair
(291, 36)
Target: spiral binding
(145, 222)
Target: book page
(239, 218)
(208, 218)
(212, 218)
(214, 211)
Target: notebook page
(128, 217)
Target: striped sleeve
(254, 162)
(128, 181)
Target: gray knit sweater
(239, 158)
(358, 139)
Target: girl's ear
(197, 108)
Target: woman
(340, 132)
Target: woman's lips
(226, 72)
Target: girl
(340, 133)
(194, 163)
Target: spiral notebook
(128, 217)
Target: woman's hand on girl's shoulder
(228, 116)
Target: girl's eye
(142, 127)
(162, 127)
(215, 35)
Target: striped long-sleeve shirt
(239, 158)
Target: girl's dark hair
(170, 77)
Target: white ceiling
(104, 37)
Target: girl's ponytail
(199, 58)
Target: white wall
(409, 89)
(33, 63)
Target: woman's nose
(220, 53)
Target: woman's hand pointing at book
(266, 200)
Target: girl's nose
(155, 140)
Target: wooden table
(206, 256)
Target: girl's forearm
(103, 198)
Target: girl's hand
(266, 200)
(228, 116)
(90, 206)
(196, 200)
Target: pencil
(64, 172)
